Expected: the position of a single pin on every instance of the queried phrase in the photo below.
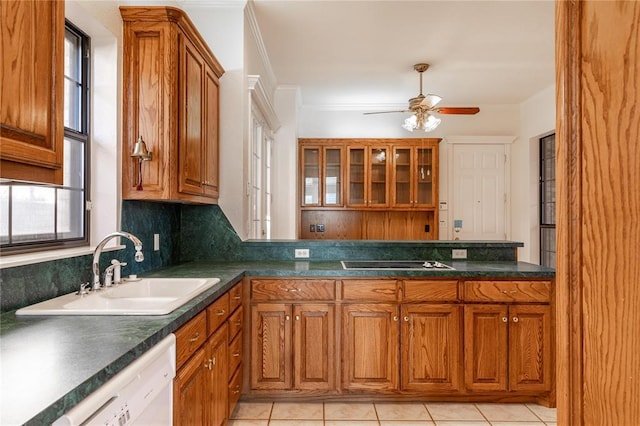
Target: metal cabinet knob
(505, 319)
(195, 337)
(406, 318)
(516, 319)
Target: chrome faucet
(139, 257)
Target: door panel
(314, 346)
(271, 346)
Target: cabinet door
(530, 348)
(314, 346)
(31, 104)
(431, 338)
(332, 176)
(218, 384)
(189, 391)
(370, 347)
(271, 346)
(212, 121)
(403, 175)
(190, 173)
(425, 191)
(485, 347)
(310, 176)
(378, 191)
(356, 193)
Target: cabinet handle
(221, 312)
(395, 318)
(293, 290)
(239, 322)
(505, 319)
(516, 319)
(208, 364)
(297, 317)
(287, 317)
(406, 318)
(509, 292)
(236, 297)
(195, 337)
(237, 354)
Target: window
(548, 201)
(261, 146)
(35, 216)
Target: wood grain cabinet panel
(314, 346)
(32, 81)
(431, 347)
(190, 392)
(287, 289)
(271, 346)
(216, 349)
(507, 291)
(370, 334)
(429, 291)
(171, 99)
(508, 348)
(379, 290)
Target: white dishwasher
(141, 394)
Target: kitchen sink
(420, 265)
(145, 296)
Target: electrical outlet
(459, 253)
(320, 227)
(301, 253)
(156, 242)
(312, 228)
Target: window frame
(546, 224)
(82, 136)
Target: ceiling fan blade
(430, 100)
(457, 110)
(385, 112)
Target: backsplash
(192, 232)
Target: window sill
(47, 256)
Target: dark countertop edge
(234, 273)
(383, 243)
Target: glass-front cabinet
(368, 176)
(321, 177)
(413, 170)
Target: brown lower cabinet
(443, 339)
(208, 360)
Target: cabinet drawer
(507, 291)
(218, 312)
(293, 289)
(235, 297)
(235, 353)
(375, 290)
(427, 291)
(235, 390)
(190, 337)
(235, 323)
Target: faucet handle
(117, 268)
(84, 289)
(108, 276)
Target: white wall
(537, 119)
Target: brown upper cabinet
(32, 73)
(369, 188)
(171, 100)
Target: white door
(479, 197)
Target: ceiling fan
(423, 105)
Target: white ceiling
(360, 54)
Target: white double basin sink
(145, 296)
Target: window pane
(33, 213)
(72, 102)
(70, 214)
(73, 163)
(4, 214)
(72, 55)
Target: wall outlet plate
(301, 253)
(459, 253)
(156, 242)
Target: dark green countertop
(48, 364)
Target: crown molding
(249, 13)
(259, 96)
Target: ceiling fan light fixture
(421, 121)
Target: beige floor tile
(507, 413)
(252, 410)
(296, 423)
(454, 411)
(297, 411)
(517, 424)
(461, 423)
(406, 423)
(248, 422)
(400, 411)
(349, 411)
(551, 423)
(351, 423)
(546, 414)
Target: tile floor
(390, 414)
